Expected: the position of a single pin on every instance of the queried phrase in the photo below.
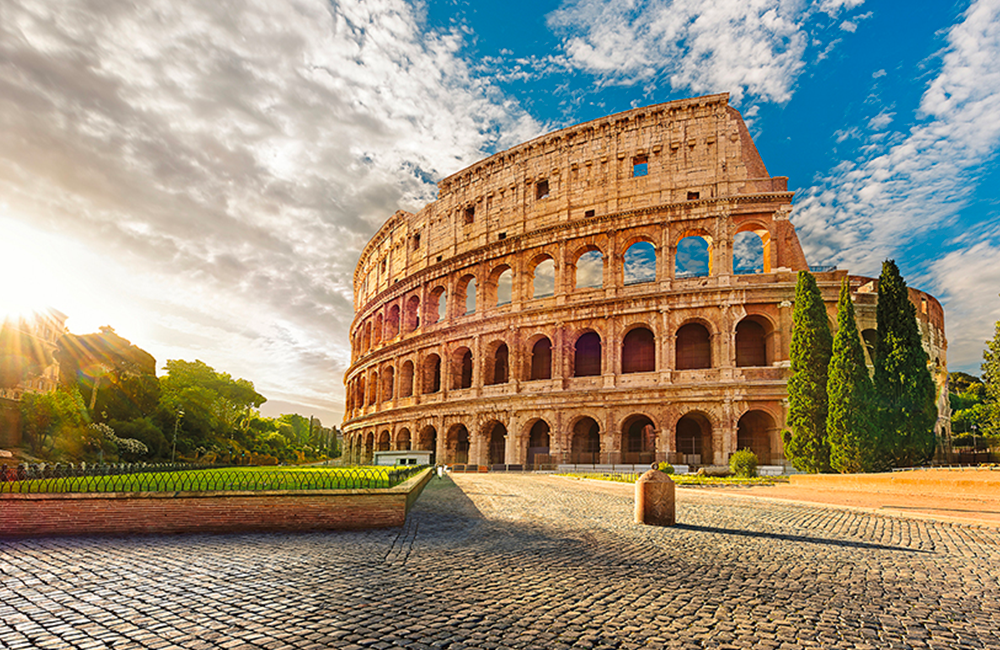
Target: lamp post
(975, 447)
(177, 421)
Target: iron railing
(36, 479)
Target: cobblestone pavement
(510, 561)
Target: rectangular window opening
(588, 214)
(640, 166)
(439, 257)
(416, 241)
(470, 214)
(502, 235)
(542, 189)
(694, 196)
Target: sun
(27, 269)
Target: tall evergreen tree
(903, 384)
(991, 379)
(850, 427)
(805, 441)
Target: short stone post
(654, 499)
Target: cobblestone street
(514, 561)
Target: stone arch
(362, 394)
(384, 440)
(431, 379)
(369, 447)
(639, 262)
(388, 383)
(751, 249)
(373, 387)
(465, 295)
(457, 444)
(392, 322)
(461, 368)
(377, 329)
(543, 276)
(693, 346)
(497, 364)
(366, 336)
(754, 341)
(406, 379)
(588, 268)
(693, 258)
(437, 305)
(755, 431)
(639, 350)
(427, 441)
(587, 354)
(693, 438)
(585, 441)
(501, 285)
(540, 361)
(538, 439)
(638, 439)
(403, 441)
(412, 319)
(495, 436)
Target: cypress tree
(903, 384)
(991, 378)
(805, 440)
(850, 427)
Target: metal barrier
(36, 479)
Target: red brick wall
(36, 515)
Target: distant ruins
(545, 308)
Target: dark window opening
(588, 214)
(586, 445)
(470, 214)
(440, 257)
(754, 433)
(751, 344)
(500, 365)
(541, 360)
(416, 241)
(639, 351)
(640, 166)
(542, 189)
(465, 377)
(694, 196)
(694, 347)
(502, 235)
(587, 356)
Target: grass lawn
(225, 479)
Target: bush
(666, 468)
(743, 463)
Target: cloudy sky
(202, 175)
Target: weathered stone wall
(541, 369)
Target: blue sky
(202, 177)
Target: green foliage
(743, 463)
(54, 421)
(991, 381)
(805, 440)
(850, 425)
(145, 431)
(903, 384)
(961, 382)
(666, 468)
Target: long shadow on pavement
(795, 538)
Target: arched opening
(543, 279)
(694, 347)
(362, 395)
(505, 288)
(458, 444)
(538, 444)
(373, 388)
(432, 373)
(412, 314)
(748, 252)
(640, 263)
(541, 359)
(377, 330)
(638, 440)
(751, 342)
(465, 294)
(497, 444)
(369, 448)
(437, 306)
(870, 339)
(754, 432)
(694, 257)
(499, 366)
(383, 441)
(403, 439)
(587, 355)
(694, 439)
(388, 377)
(366, 337)
(406, 379)
(428, 441)
(639, 351)
(590, 270)
(585, 447)
(392, 322)
(462, 368)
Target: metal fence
(36, 479)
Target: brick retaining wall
(37, 515)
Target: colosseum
(616, 292)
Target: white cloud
(849, 26)
(878, 73)
(881, 120)
(231, 160)
(754, 47)
(911, 182)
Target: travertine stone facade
(539, 311)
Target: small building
(407, 457)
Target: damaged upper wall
(691, 150)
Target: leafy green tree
(850, 425)
(54, 422)
(904, 387)
(991, 380)
(805, 440)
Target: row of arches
(459, 369)
(692, 440)
(693, 258)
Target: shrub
(666, 468)
(743, 463)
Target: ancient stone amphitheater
(616, 292)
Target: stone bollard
(654, 499)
